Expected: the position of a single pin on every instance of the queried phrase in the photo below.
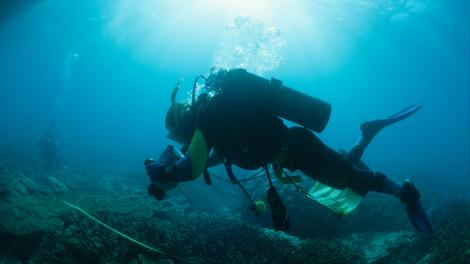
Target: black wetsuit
(248, 135)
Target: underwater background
(103, 72)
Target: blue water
(104, 71)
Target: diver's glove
(159, 172)
(418, 218)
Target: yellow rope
(114, 230)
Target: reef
(37, 227)
(450, 242)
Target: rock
(56, 186)
(4, 188)
(25, 210)
(21, 189)
(30, 186)
(6, 180)
(26, 219)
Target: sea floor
(38, 227)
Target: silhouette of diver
(238, 121)
(49, 148)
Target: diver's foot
(371, 128)
(418, 218)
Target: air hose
(193, 97)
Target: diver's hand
(158, 172)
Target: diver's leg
(356, 152)
(307, 153)
(370, 129)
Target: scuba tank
(273, 97)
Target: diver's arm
(166, 175)
(188, 168)
(192, 165)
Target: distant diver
(49, 148)
(237, 120)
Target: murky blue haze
(104, 72)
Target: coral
(81, 240)
(377, 213)
(195, 239)
(5, 181)
(56, 186)
(321, 251)
(113, 230)
(450, 241)
(37, 228)
(376, 246)
(219, 239)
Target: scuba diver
(49, 148)
(237, 121)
